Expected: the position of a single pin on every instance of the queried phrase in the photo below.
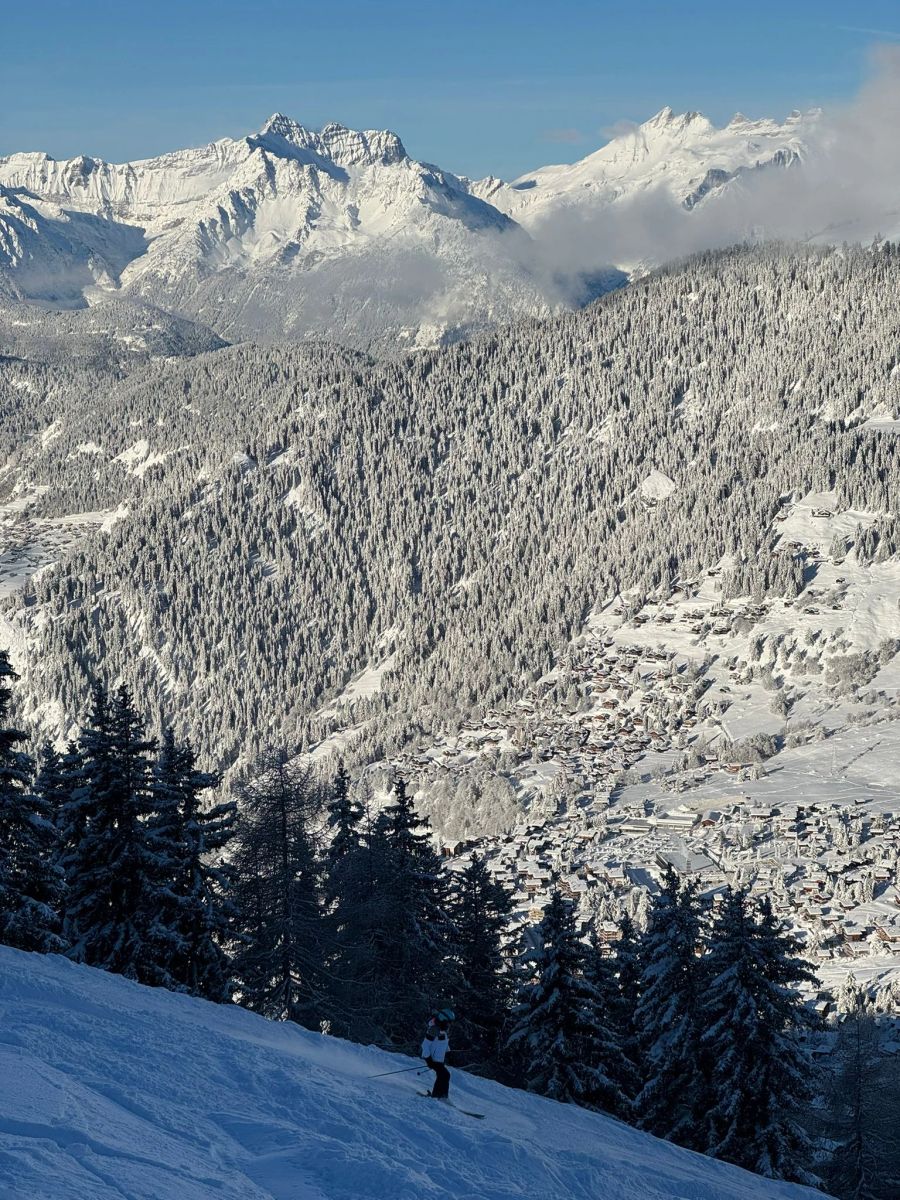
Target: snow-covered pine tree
(195, 914)
(280, 962)
(164, 840)
(480, 909)
(55, 779)
(90, 774)
(412, 936)
(556, 1042)
(353, 928)
(628, 980)
(60, 780)
(861, 1105)
(758, 1070)
(110, 863)
(345, 886)
(619, 1081)
(30, 881)
(345, 815)
(671, 1098)
(850, 998)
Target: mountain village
(614, 747)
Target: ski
(464, 1111)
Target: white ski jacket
(435, 1045)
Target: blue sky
(476, 87)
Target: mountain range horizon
(280, 118)
(287, 231)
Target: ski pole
(381, 1074)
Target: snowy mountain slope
(749, 732)
(683, 153)
(285, 232)
(112, 1091)
(118, 334)
(53, 254)
(486, 480)
(741, 484)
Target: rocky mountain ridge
(292, 232)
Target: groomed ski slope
(112, 1091)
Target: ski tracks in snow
(111, 1091)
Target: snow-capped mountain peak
(683, 154)
(293, 231)
(285, 127)
(285, 232)
(676, 124)
(346, 147)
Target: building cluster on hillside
(30, 543)
(591, 719)
(832, 870)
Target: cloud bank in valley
(846, 188)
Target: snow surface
(113, 1091)
(657, 486)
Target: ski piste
(465, 1111)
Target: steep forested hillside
(436, 529)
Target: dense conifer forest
(287, 517)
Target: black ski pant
(440, 1089)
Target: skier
(434, 1050)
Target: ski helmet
(446, 1014)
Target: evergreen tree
(54, 781)
(344, 819)
(110, 864)
(556, 1039)
(163, 831)
(480, 909)
(60, 781)
(343, 896)
(345, 815)
(354, 887)
(860, 1108)
(671, 1100)
(618, 1083)
(195, 912)
(30, 881)
(411, 941)
(79, 823)
(759, 1072)
(628, 979)
(853, 1170)
(280, 962)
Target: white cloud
(846, 189)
